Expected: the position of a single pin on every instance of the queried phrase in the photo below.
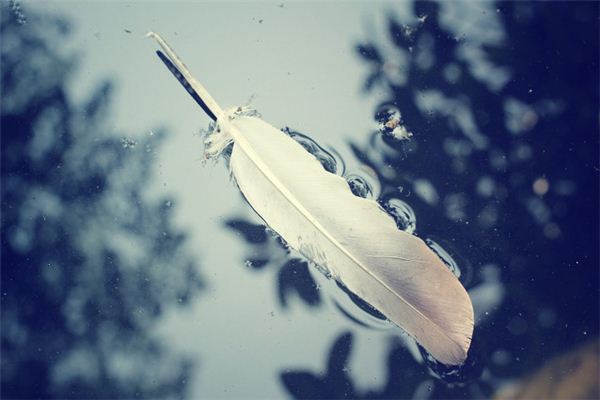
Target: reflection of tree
(507, 156)
(336, 382)
(506, 150)
(293, 275)
(88, 262)
(503, 166)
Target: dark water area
(487, 147)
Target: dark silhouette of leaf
(368, 52)
(371, 81)
(257, 263)
(334, 384)
(294, 277)
(401, 35)
(339, 353)
(304, 385)
(252, 233)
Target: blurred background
(132, 269)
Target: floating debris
(390, 123)
(128, 143)
(18, 12)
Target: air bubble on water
(127, 143)
(444, 256)
(359, 186)
(403, 214)
(330, 162)
(389, 122)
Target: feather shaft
(212, 105)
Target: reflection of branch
(293, 275)
(88, 263)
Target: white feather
(353, 238)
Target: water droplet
(402, 213)
(359, 186)
(331, 163)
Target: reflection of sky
(299, 64)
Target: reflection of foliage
(503, 164)
(336, 382)
(293, 275)
(501, 136)
(88, 262)
(513, 164)
(502, 101)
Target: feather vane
(351, 237)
